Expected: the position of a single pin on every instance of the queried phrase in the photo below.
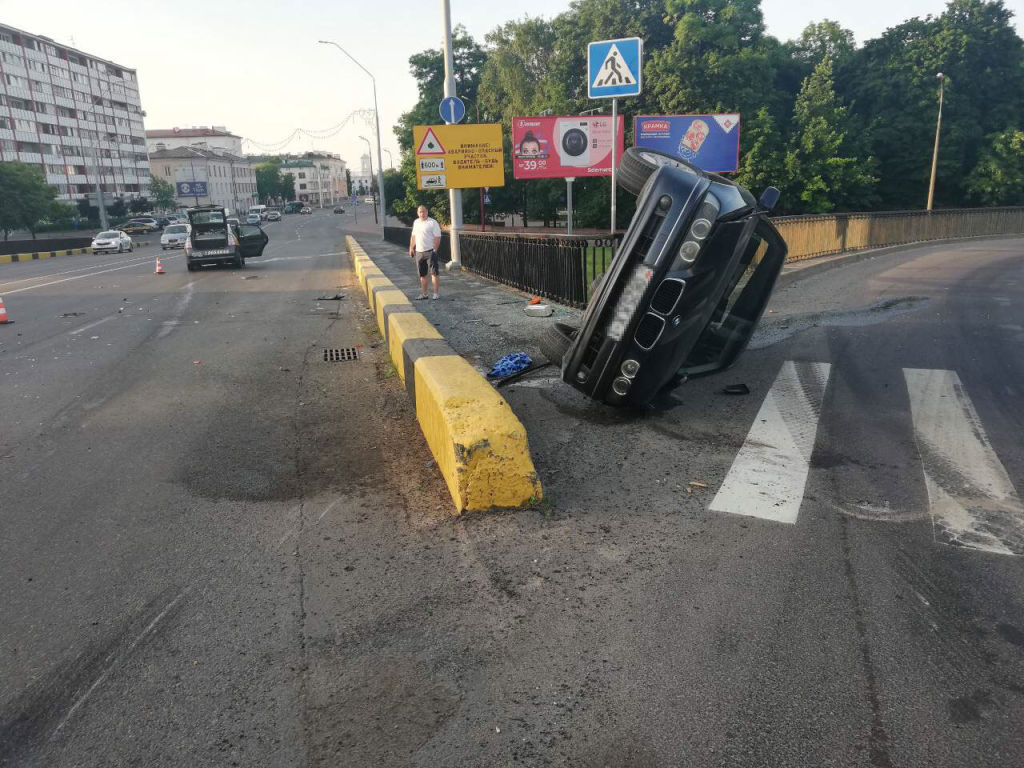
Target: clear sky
(256, 67)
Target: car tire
(638, 164)
(556, 340)
(190, 267)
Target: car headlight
(699, 230)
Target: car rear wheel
(556, 340)
(638, 164)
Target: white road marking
(79, 277)
(93, 324)
(178, 311)
(768, 476)
(91, 267)
(971, 499)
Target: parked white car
(111, 241)
(174, 236)
(253, 218)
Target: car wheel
(638, 164)
(556, 340)
(190, 267)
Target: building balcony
(6, 133)
(22, 114)
(30, 157)
(26, 136)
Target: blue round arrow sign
(452, 109)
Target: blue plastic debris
(509, 365)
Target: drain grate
(341, 355)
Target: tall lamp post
(391, 160)
(935, 154)
(379, 183)
(376, 121)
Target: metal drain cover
(341, 355)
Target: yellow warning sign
(472, 156)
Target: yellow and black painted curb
(14, 258)
(479, 444)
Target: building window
(59, 90)
(17, 82)
(5, 123)
(24, 125)
(302, 176)
(167, 170)
(302, 186)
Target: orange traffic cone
(159, 267)
(3, 313)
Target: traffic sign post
(452, 109)
(614, 68)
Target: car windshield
(107, 235)
(174, 228)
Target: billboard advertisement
(191, 188)
(564, 147)
(710, 142)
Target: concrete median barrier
(479, 444)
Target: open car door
(251, 240)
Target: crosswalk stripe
(768, 476)
(972, 501)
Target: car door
(251, 240)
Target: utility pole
(935, 153)
(454, 195)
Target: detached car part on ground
(685, 289)
(213, 240)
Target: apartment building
(202, 175)
(319, 177)
(75, 115)
(217, 137)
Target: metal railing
(556, 267)
(809, 236)
(563, 267)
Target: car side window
(249, 230)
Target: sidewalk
(482, 320)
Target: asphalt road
(219, 550)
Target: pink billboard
(564, 147)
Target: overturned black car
(685, 290)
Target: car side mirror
(769, 199)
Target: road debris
(736, 389)
(510, 365)
(335, 297)
(538, 310)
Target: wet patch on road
(773, 330)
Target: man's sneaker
(435, 296)
(421, 297)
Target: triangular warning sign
(727, 122)
(613, 71)
(430, 144)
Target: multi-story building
(319, 177)
(217, 137)
(74, 115)
(205, 176)
(362, 183)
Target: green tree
(763, 162)
(162, 192)
(268, 181)
(821, 174)
(394, 187)
(825, 39)
(25, 197)
(998, 178)
(117, 208)
(288, 186)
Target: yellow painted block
(389, 299)
(373, 281)
(403, 326)
(478, 443)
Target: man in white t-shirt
(423, 245)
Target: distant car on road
(273, 215)
(306, 210)
(111, 241)
(140, 225)
(338, 209)
(253, 218)
(174, 236)
(369, 200)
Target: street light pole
(370, 149)
(376, 121)
(391, 160)
(935, 153)
(454, 195)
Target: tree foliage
(287, 186)
(998, 178)
(25, 197)
(268, 181)
(836, 127)
(162, 191)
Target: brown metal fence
(809, 236)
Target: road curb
(479, 444)
(14, 258)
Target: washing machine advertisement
(710, 142)
(564, 147)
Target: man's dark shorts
(426, 262)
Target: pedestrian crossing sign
(614, 68)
